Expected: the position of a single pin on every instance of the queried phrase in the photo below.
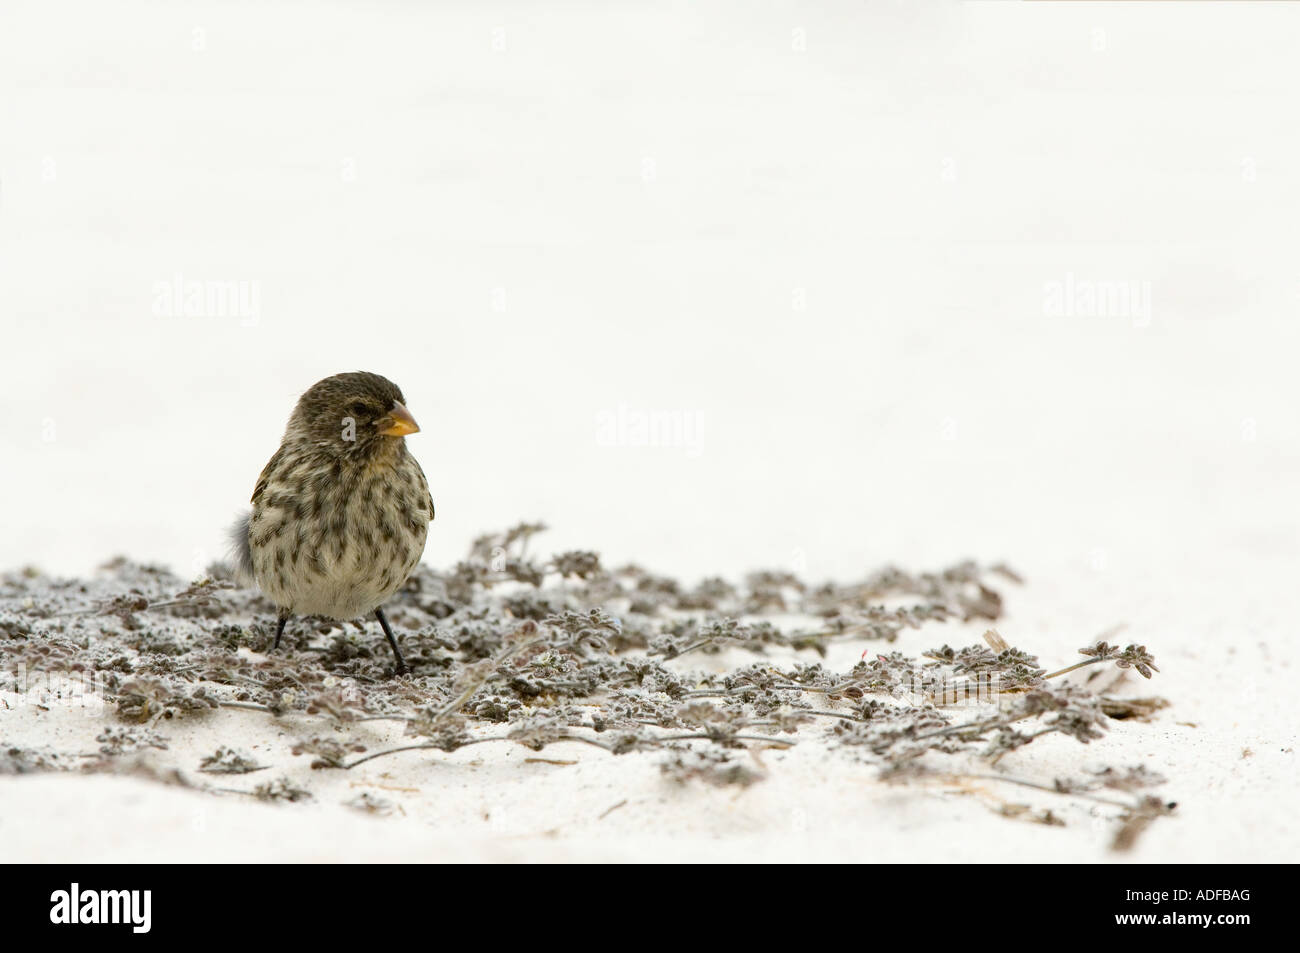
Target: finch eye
(359, 409)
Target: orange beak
(398, 422)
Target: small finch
(341, 511)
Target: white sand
(1227, 748)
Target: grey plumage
(240, 554)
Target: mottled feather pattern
(337, 524)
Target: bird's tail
(240, 555)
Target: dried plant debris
(229, 761)
(14, 760)
(1023, 812)
(1142, 709)
(368, 803)
(513, 648)
(281, 789)
(329, 752)
(1137, 819)
(712, 767)
(117, 741)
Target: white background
(824, 233)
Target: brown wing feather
(428, 497)
(265, 476)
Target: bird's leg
(388, 631)
(279, 630)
